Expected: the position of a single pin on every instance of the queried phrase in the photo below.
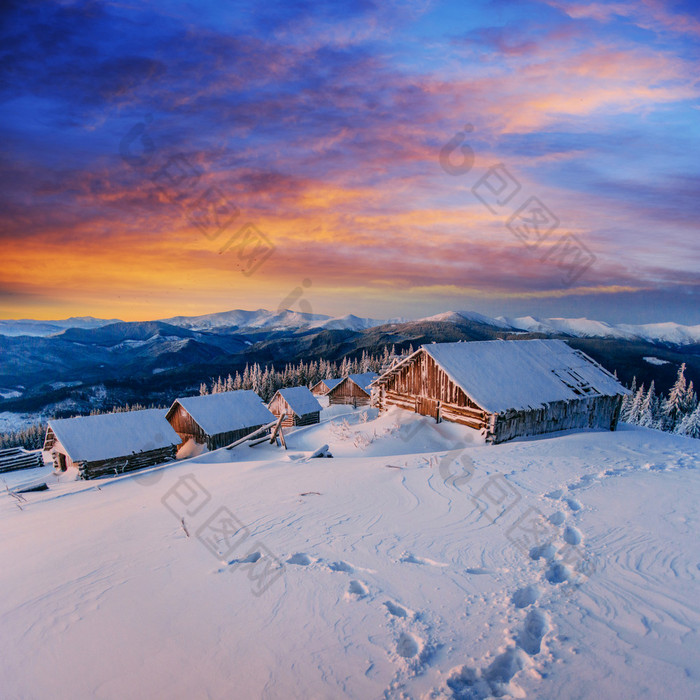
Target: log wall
(348, 393)
(14, 458)
(423, 387)
(279, 405)
(601, 412)
(120, 465)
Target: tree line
(679, 412)
(266, 381)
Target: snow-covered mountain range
(262, 319)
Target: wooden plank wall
(600, 412)
(423, 387)
(15, 458)
(348, 393)
(119, 465)
(278, 406)
(185, 426)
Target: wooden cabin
(218, 419)
(324, 386)
(353, 390)
(298, 403)
(111, 443)
(505, 388)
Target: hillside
(388, 571)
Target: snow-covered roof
(519, 374)
(332, 383)
(92, 438)
(363, 380)
(226, 411)
(300, 400)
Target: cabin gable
(348, 393)
(419, 384)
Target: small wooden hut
(354, 390)
(299, 405)
(507, 389)
(324, 386)
(111, 443)
(218, 419)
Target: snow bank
(394, 570)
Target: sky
(395, 158)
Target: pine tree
(647, 419)
(635, 410)
(690, 425)
(675, 406)
(627, 401)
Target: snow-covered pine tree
(691, 399)
(364, 362)
(674, 407)
(246, 383)
(203, 391)
(627, 401)
(646, 418)
(690, 425)
(636, 408)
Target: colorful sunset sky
(168, 158)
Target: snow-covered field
(417, 563)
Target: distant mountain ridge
(287, 320)
(28, 326)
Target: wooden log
(36, 487)
(258, 441)
(250, 435)
(320, 452)
(282, 440)
(277, 427)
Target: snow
(227, 411)
(461, 316)
(353, 323)
(363, 380)
(62, 385)
(674, 333)
(12, 422)
(10, 393)
(655, 361)
(300, 400)
(89, 438)
(519, 374)
(32, 327)
(276, 320)
(399, 577)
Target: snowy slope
(673, 333)
(392, 571)
(352, 322)
(461, 316)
